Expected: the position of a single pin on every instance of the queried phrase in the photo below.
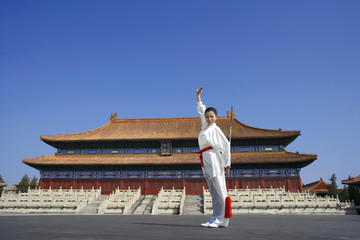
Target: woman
(214, 156)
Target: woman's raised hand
(198, 91)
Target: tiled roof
(166, 129)
(175, 159)
(14, 188)
(3, 184)
(317, 187)
(355, 180)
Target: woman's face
(210, 117)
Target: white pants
(217, 187)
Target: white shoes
(206, 224)
(215, 225)
(223, 224)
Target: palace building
(155, 153)
(320, 188)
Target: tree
(24, 184)
(33, 184)
(352, 195)
(344, 194)
(333, 188)
(1, 188)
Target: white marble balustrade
(48, 200)
(280, 201)
(120, 201)
(169, 201)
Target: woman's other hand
(228, 170)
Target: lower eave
(175, 159)
(318, 191)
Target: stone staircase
(93, 207)
(193, 205)
(144, 205)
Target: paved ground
(250, 227)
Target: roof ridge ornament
(113, 117)
(230, 113)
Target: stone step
(137, 205)
(144, 205)
(93, 207)
(149, 206)
(193, 205)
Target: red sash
(201, 151)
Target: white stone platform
(170, 202)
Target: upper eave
(175, 159)
(167, 129)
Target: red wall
(194, 186)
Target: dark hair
(211, 109)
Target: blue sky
(65, 66)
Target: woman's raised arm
(201, 108)
(198, 93)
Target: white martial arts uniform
(214, 161)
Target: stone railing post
(182, 202)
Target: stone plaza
(279, 227)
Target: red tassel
(228, 212)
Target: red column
(262, 184)
(300, 185)
(146, 190)
(97, 185)
(288, 184)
